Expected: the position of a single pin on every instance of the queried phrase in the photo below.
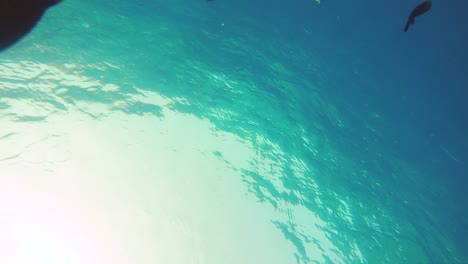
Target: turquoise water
(231, 132)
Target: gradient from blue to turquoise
(358, 129)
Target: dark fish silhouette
(419, 10)
(18, 17)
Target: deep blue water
(360, 120)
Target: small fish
(419, 10)
(18, 18)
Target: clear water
(235, 132)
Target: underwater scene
(221, 131)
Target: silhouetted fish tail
(408, 23)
